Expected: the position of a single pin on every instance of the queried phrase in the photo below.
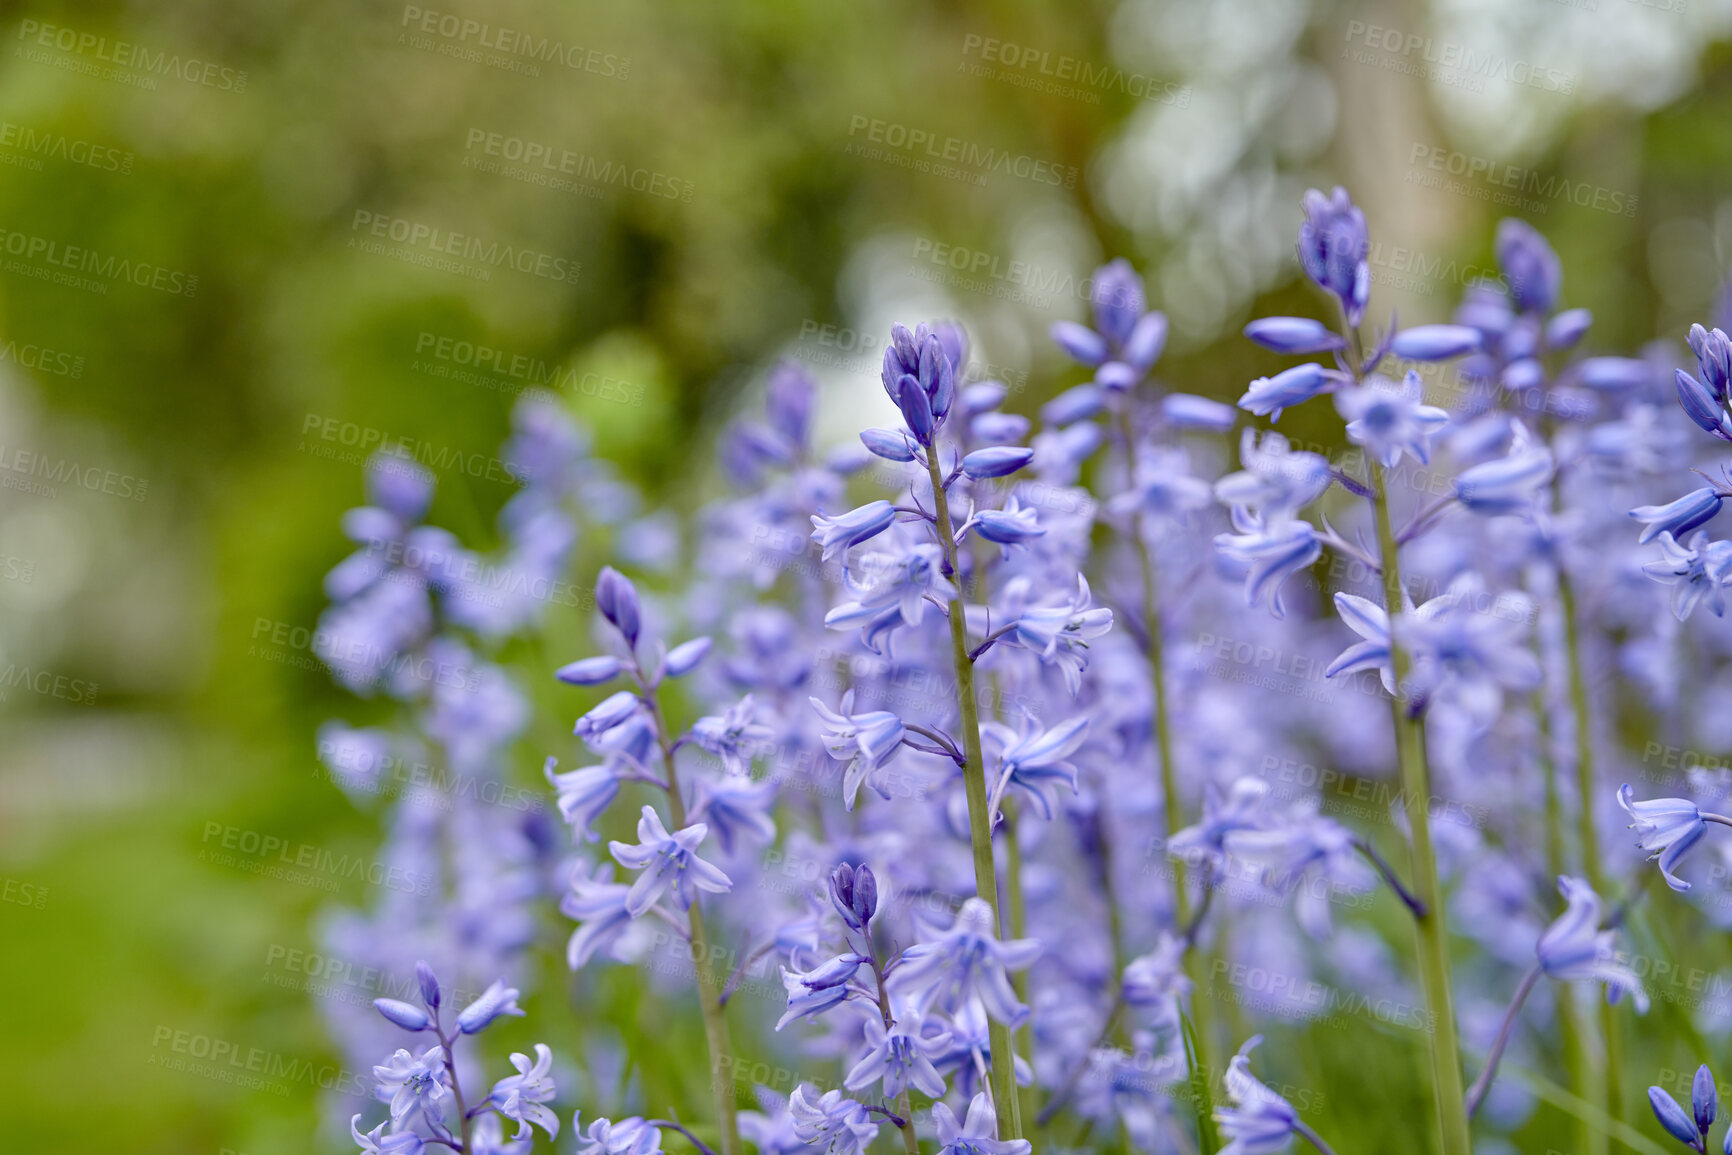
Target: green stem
(1431, 929)
(904, 1105)
(703, 969)
(1004, 1093)
(1154, 652)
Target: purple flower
(854, 894)
(899, 1059)
(612, 712)
(966, 961)
(838, 1124)
(1294, 335)
(684, 658)
(1012, 525)
(1434, 342)
(1259, 1122)
(405, 1015)
(583, 794)
(1676, 1121)
(1699, 570)
(1704, 1099)
(996, 461)
(865, 741)
(1389, 420)
(1268, 396)
(736, 808)
(616, 598)
(1507, 484)
(734, 736)
(811, 993)
(498, 999)
(414, 1085)
(601, 907)
(633, 1136)
(668, 861)
(1061, 633)
(376, 1142)
(1333, 244)
(1034, 761)
(1269, 554)
(1668, 827)
(836, 534)
(1082, 343)
(1575, 949)
(1679, 517)
(523, 1096)
(977, 1136)
(590, 671)
(1529, 265)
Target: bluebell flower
(890, 444)
(1308, 856)
(771, 1130)
(966, 961)
(1061, 633)
(977, 1136)
(1242, 807)
(684, 658)
(1189, 411)
(376, 1142)
(1575, 949)
(932, 357)
(1704, 1099)
(405, 1015)
(487, 1137)
(996, 461)
(523, 1097)
(1277, 481)
(734, 736)
(831, 1121)
(899, 1059)
(1078, 403)
(1389, 420)
(1371, 622)
(854, 894)
(1082, 343)
(1470, 647)
(633, 1136)
(613, 711)
(1567, 328)
(1269, 554)
(1699, 570)
(429, 984)
(414, 1086)
(1529, 265)
(1435, 342)
(1259, 1122)
(736, 808)
(601, 908)
(1333, 246)
(1156, 984)
(1035, 761)
(1667, 827)
(590, 671)
(1012, 525)
(1162, 488)
(1116, 292)
(583, 795)
(1713, 349)
(811, 993)
(865, 741)
(497, 1000)
(617, 600)
(892, 590)
(836, 534)
(1294, 335)
(668, 861)
(1703, 407)
(1508, 484)
(1676, 1120)
(1679, 517)
(1268, 396)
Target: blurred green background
(217, 273)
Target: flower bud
(405, 1015)
(616, 597)
(589, 671)
(429, 984)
